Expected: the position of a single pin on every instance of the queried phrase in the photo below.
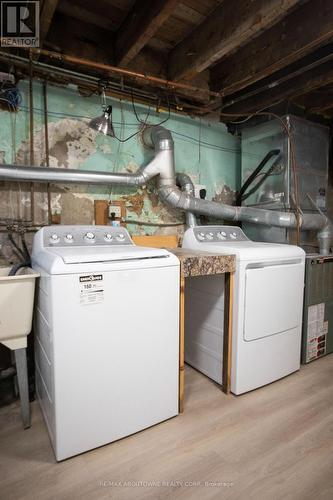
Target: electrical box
(114, 211)
(110, 213)
(317, 335)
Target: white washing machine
(267, 309)
(107, 335)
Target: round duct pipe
(162, 165)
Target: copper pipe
(47, 151)
(121, 71)
(31, 131)
(45, 70)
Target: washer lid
(106, 254)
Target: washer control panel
(78, 236)
(218, 234)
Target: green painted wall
(203, 149)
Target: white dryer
(267, 309)
(107, 335)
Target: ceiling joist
(318, 101)
(304, 83)
(48, 9)
(227, 28)
(297, 35)
(140, 26)
(242, 56)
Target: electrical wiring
(119, 148)
(204, 143)
(145, 122)
(12, 115)
(119, 124)
(16, 247)
(135, 112)
(254, 114)
(12, 96)
(25, 247)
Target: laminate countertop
(197, 263)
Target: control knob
(108, 237)
(210, 236)
(89, 237)
(201, 236)
(69, 238)
(120, 237)
(54, 238)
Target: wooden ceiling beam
(231, 25)
(83, 12)
(318, 101)
(140, 25)
(297, 35)
(48, 9)
(80, 39)
(308, 81)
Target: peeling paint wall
(203, 149)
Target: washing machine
(267, 309)
(107, 335)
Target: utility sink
(16, 306)
(16, 310)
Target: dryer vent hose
(162, 166)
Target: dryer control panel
(78, 236)
(219, 234)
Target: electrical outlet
(115, 211)
(197, 189)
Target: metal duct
(177, 199)
(163, 165)
(184, 181)
(67, 176)
(163, 161)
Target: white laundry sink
(16, 306)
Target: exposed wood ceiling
(254, 53)
(226, 29)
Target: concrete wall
(203, 149)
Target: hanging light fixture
(103, 123)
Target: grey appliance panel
(311, 145)
(317, 333)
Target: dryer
(107, 335)
(267, 309)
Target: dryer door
(273, 299)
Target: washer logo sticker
(91, 277)
(91, 289)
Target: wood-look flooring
(273, 443)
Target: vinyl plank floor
(273, 443)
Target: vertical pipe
(181, 343)
(47, 151)
(31, 131)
